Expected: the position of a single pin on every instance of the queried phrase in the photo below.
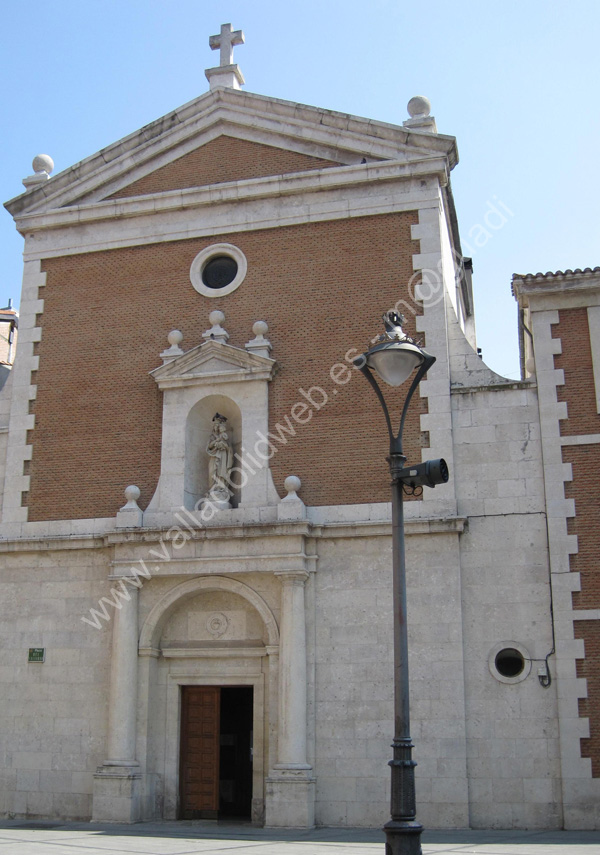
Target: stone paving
(19, 837)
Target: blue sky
(516, 83)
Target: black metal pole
(403, 832)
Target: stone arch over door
(174, 599)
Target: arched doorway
(211, 651)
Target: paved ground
(18, 837)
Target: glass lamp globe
(395, 361)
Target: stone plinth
(290, 801)
(117, 794)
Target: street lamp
(394, 357)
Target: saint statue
(220, 462)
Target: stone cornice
(213, 362)
(301, 528)
(567, 289)
(240, 192)
(457, 389)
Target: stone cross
(225, 42)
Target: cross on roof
(225, 41)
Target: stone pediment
(213, 362)
(91, 189)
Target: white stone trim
(237, 206)
(580, 439)
(574, 768)
(436, 385)
(202, 259)
(20, 420)
(212, 652)
(586, 614)
(593, 313)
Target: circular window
(509, 662)
(218, 270)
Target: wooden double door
(216, 752)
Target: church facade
(196, 529)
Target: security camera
(426, 474)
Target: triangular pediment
(225, 158)
(180, 149)
(213, 361)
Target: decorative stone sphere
(216, 318)
(419, 107)
(43, 163)
(260, 328)
(175, 338)
(292, 483)
(132, 493)
(530, 365)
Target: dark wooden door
(199, 757)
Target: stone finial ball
(216, 318)
(132, 493)
(43, 163)
(175, 338)
(419, 107)
(260, 328)
(292, 483)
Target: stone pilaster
(290, 785)
(117, 782)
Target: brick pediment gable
(222, 159)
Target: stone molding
(213, 362)
(48, 540)
(580, 439)
(321, 195)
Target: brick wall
(579, 393)
(222, 159)
(585, 489)
(589, 707)
(322, 288)
(576, 361)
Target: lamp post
(394, 357)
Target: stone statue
(220, 463)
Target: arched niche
(174, 599)
(213, 618)
(198, 428)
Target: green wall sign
(37, 654)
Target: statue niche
(213, 437)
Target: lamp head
(395, 355)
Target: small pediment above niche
(214, 361)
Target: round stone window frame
(510, 645)
(202, 259)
